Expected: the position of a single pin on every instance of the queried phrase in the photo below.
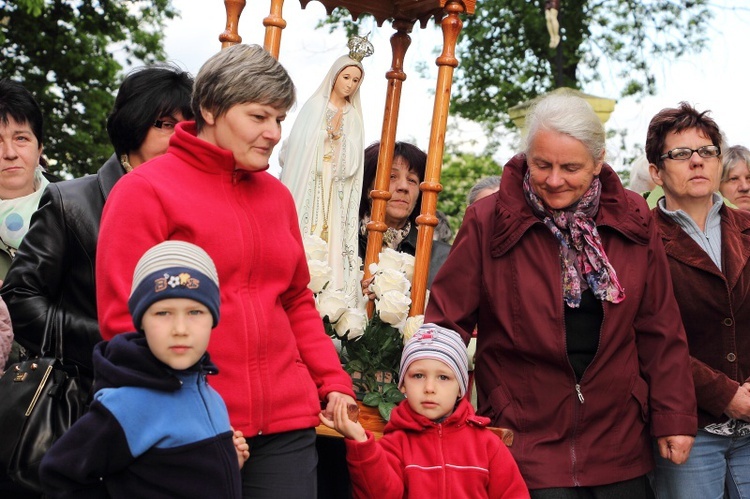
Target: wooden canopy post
(380, 194)
(231, 36)
(447, 62)
(274, 24)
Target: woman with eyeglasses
(580, 350)
(708, 247)
(52, 275)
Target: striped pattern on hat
(437, 343)
(174, 269)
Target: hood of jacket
(403, 418)
(514, 216)
(126, 360)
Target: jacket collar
(735, 244)
(109, 174)
(513, 216)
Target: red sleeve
(374, 472)
(505, 477)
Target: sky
(716, 79)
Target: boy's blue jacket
(150, 432)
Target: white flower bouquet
(370, 347)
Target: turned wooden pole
(274, 24)
(231, 36)
(380, 194)
(447, 62)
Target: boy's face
(431, 388)
(177, 331)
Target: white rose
(408, 266)
(390, 280)
(393, 308)
(389, 258)
(332, 304)
(320, 274)
(412, 326)
(315, 248)
(354, 321)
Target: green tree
(66, 53)
(459, 174)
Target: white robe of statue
(323, 169)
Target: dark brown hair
(414, 157)
(676, 120)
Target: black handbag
(40, 399)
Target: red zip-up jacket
(276, 363)
(417, 458)
(503, 276)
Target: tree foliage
(506, 59)
(460, 173)
(68, 53)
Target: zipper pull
(580, 395)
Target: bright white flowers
(346, 313)
(412, 326)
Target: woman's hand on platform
(341, 422)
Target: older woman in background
(580, 349)
(211, 188)
(708, 245)
(53, 273)
(21, 175)
(485, 187)
(402, 209)
(735, 178)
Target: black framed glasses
(683, 153)
(165, 125)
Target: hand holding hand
(676, 448)
(342, 423)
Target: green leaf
(372, 399)
(385, 410)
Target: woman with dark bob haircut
(53, 273)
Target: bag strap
(53, 339)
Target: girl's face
(431, 388)
(347, 82)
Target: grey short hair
(732, 156)
(240, 74)
(492, 182)
(570, 115)
(640, 175)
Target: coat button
(731, 357)
(728, 321)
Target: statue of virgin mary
(322, 165)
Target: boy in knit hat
(155, 428)
(434, 445)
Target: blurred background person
(707, 246)
(485, 187)
(53, 273)
(402, 210)
(735, 178)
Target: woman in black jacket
(52, 276)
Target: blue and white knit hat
(437, 343)
(174, 269)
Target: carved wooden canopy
(383, 10)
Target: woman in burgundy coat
(580, 348)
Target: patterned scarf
(391, 237)
(582, 258)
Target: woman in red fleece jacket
(434, 445)
(211, 189)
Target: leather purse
(40, 398)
